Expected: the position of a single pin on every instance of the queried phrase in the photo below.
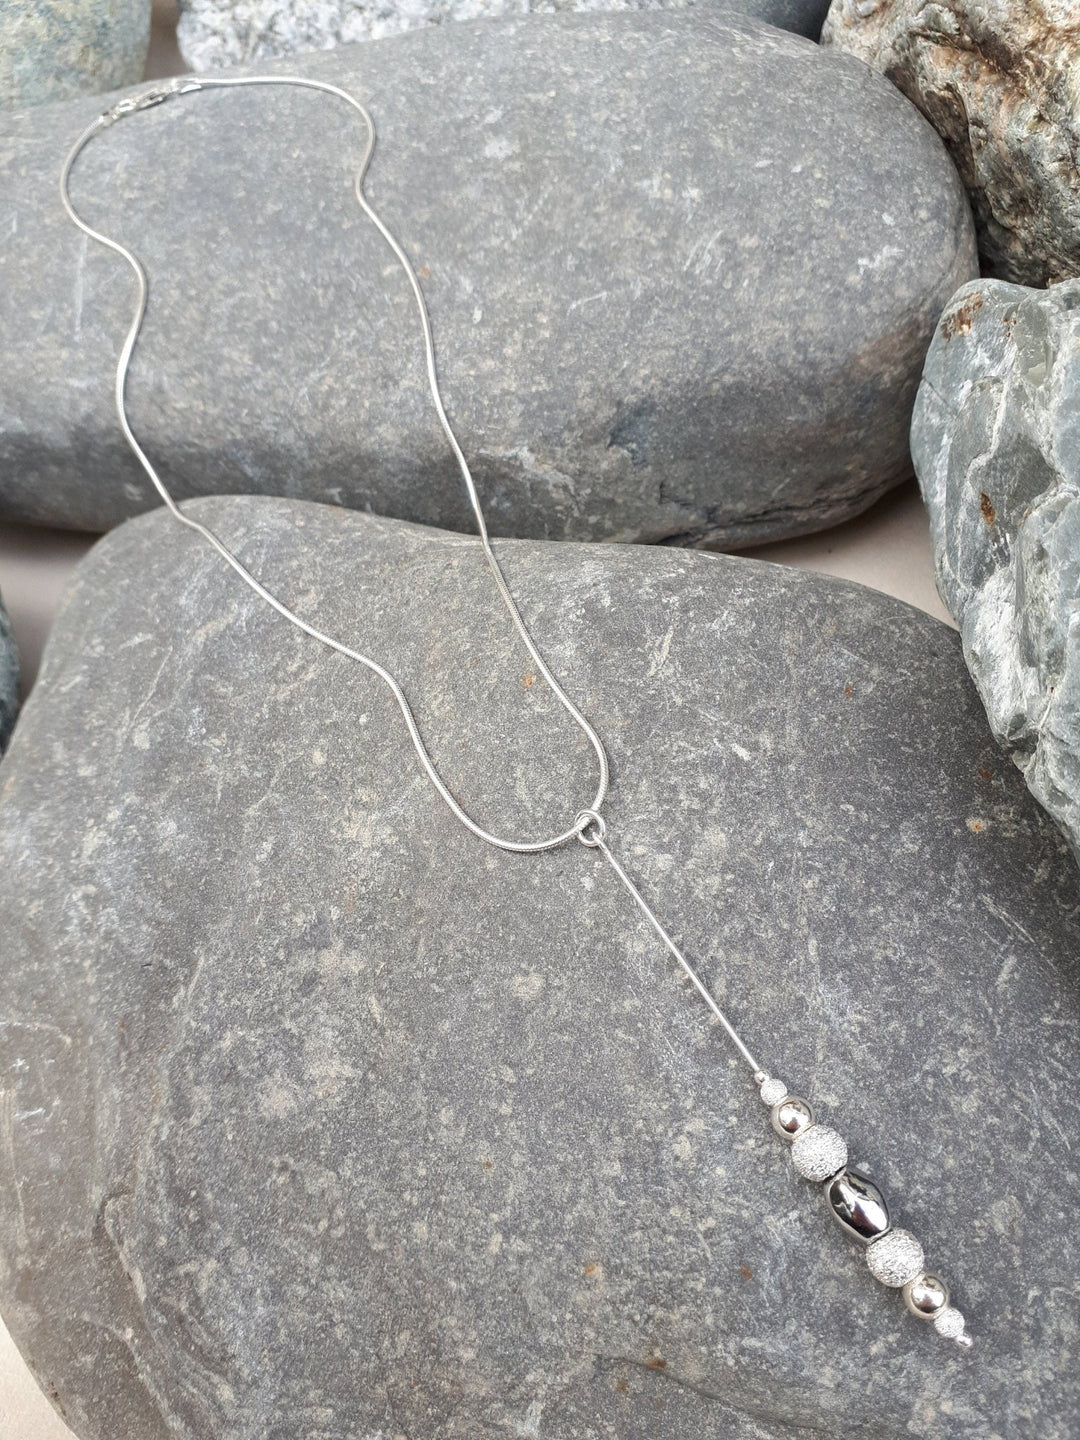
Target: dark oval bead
(858, 1205)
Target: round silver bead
(895, 1258)
(819, 1152)
(772, 1090)
(926, 1296)
(791, 1117)
(950, 1324)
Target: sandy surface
(888, 549)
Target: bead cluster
(893, 1256)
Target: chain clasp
(155, 95)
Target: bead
(926, 1296)
(895, 1258)
(858, 1205)
(772, 1090)
(791, 1117)
(818, 1152)
(950, 1325)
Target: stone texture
(9, 678)
(647, 329)
(997, 447)
(1000, 79)
(321, 1119)
(53, 49)
(213, 33)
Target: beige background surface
(888, 549)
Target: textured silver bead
(819, 1152)
(791, 1117)
(950, 1324)
(895, 1258)
(858, 1205)
(926, 1296)
(772, 1090)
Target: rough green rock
(53, 49)
(232, 32)
(997, 447)
(9, 678)
(322, 1119)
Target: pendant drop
(893, 1256)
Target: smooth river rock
(9, 678)
(1000, 79)
(997, 446)
(647, 328)
(53, 49)
(323, 1119)
(231, 32)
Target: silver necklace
(819, 1153)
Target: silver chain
(589, 826)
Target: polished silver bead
(895, 1258)
(791, 1116)
(858, 1205)
(772, 1091)
(926, 1296)
(818, 1152)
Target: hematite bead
(791, 1116)
(858, 1205)
(926, 1296)
(818, 1152)
(895, 1258)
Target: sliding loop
(591, 828)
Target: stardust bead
(926, 1296)
(818, 1152)
(791, 1117)
(950, 1325)
(858, 1205)
(895, 1258)
(772, 1091)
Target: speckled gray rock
(224, 32)
(997, 447)
(52, 49)
(9, 678)
(999, 80)
(647, 329)
(323, 1119)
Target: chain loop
(187, 84)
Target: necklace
(819, 1153)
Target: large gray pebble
(325, 1120)
(997, 448)
(9, 678)
(53, 49)
(683, 269)
(230, 32)
(998, 78)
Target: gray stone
(9, 678)
(998, 78)
(997, 449)
(647, 328)
(325, 1120)
(224, 32)
(53, 49)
